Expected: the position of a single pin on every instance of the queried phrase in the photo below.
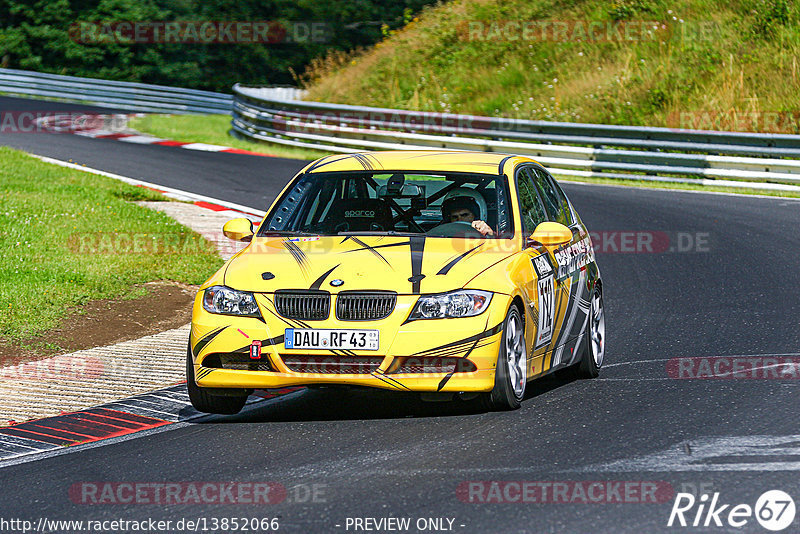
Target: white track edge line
(170, 190)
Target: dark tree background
(35, 35)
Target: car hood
(407, 265)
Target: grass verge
(69, 237)
(212, 129)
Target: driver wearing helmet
(463, 204)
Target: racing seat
(359, 215)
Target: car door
(545, 302)
(570, 264)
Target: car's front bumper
(470, 344)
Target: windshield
(391, 203)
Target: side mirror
(551, 233)
(238, 229)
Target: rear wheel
(511, 375)
(593, 344)
(229, 402)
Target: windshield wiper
(383, 232)
(284, 233)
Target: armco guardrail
(751, 160)
(127, 96)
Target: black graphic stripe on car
(390, 381)
(295, 322)
(377, 254)
(318, 282)
(203, 372)
(324, 161)
(376, 161)
(200, 345)
(446, 269)
(445, 380)
(364, 246)
(277, 340)
(417, 246)
(449, 375)
(298, 255)
(364, 161)
(461, 351)
(484, 334)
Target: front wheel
(511, 375)
(231, 402)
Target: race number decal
(546, 290)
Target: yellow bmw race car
(440, 272)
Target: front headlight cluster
(462, 303)
(227, 301)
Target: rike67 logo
(774, 510)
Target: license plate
(320, 338)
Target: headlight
(461, 303)
(227, 301)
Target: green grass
(733, 58)
(213, 129)
(64, 238)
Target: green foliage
(36, 35)
(769, 16)
(683, 57)
(657, 98)
(627, 9)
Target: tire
(593, 344)
(511, 376)
(229, 403)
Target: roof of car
(428, 160)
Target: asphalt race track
(733, 291)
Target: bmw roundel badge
(337, 282)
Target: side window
(569, 212)
(555, 201)
(530, 205)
